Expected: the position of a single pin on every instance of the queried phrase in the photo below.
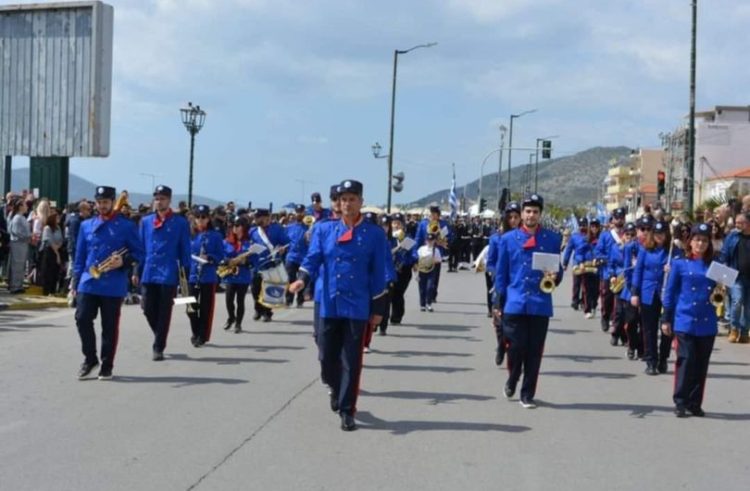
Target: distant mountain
(79, 188)
(565, 181)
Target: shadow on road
(636, 410)
(462, 303)
(178, 381)
(258, 348)
(567, 331)
(418, 368)
(370, 422)
(731, 376)
(583, 358)
(409, 354)
(225, 360)
(611, 376)
(282, 333)
(443, 327)
(433, 398)
(435, 336)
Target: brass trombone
(97, 270)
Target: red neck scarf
(159, 221)
(109, 216)
(531, 241)
(349, 234)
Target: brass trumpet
(717, 299)
(97, 270)
(617, 283)
(547, 285)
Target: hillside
(565, 181)
(79, 188)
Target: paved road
(249, 411)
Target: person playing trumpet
(519, 302)
(106, 245)
(579, 247)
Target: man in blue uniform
(579, 248)
(298, 238)
(317, 278)
(443, 240)
(352, 254)
(523, 307)
(613, 237)
(166, 241)
(105, 246)
(316, 207)
(273, 237)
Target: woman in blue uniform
(402, 262)
(616, 268)
(511, 220)
(688, 314)
(648, 280)
(207, 250)
(237, 244)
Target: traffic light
(398, 182)
(482, 205)
(546, 149)
(661, 178)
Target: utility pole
(691, 130)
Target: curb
(33, 305)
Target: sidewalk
(31, 300)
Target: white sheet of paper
(542, 261)
(198, 259)
(722, 274)
(257, 249)
(185, 300)
(407, 244)
(444, 232)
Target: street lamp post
(536, 165)
(510, 142)
(481, 172)
(691, 135)
(193, 118)
(503, 130)
(153, 178)
(393, 112)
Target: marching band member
(630, 315)
(580, 248)
(298, 233)
(427, 257)
(165, 237)
(273, 237)
(390, 277)
(317, 277)
(434, 221)
(207, 245)
(616, 272)
(607, 240)
(591, 279)
(402, 261)
(519, 302)
(316, 209)
(648, 280)
(689, 315)
(351, 253)
(105, 246)
(510, 221)
(236, 247)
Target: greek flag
(601, 211)
(453, 199)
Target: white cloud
(487, 11)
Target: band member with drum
(403, 260)
(351, 253)
(648, 281)
(524, 308)
(106, 246)
(607, 240)
(273, 237)
(165, 237)
(444, 236)
(511, 220)
(299, 237)
(427, 257)
(239, 276)
(207, 250)
(689, 315)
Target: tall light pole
(536, 165)
(691, 131)
(503, 130)
(393, 112)
(153, 178)
(481, 171)
(510, 143)
(193, 118)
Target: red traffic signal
(661, 178)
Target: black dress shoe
(651, 370)
(697, 412)
(396, 322)
(257, 316)
(604, 324)
(499, 355)
(613, 340)
(662, 367)
(347, 422)
(267, 317)
(228, 325)
(631, 354)
(86, 369)
(334, 402)
(158, 356)
(680, 412)
(574, 306)
(238, 328)
(381, 332)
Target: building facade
(631, 181)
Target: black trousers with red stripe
(158, 301)
(525, 336)
(341, 344)
(87, 308)
(201, 320)
(590, 293)
(607, 300)
(691, 369)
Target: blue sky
(301, 89)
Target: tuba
(97, 270)
(547, 285)
(717, 299)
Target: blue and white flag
(453, 199)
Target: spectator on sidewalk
(51, 259)
(736, 254)
(20, 236)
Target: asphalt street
(248, 411)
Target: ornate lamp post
(193, 118)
